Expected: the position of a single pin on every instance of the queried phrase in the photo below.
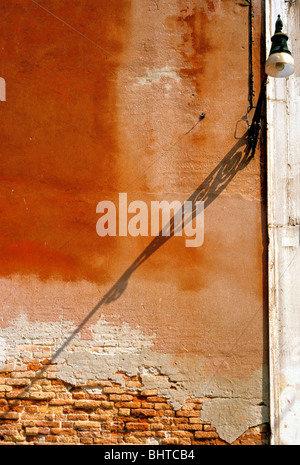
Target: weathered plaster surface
(124, 117)
(283, 100)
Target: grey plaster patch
(232, 417)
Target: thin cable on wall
(251, 93)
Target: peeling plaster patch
(231, 405)
(113, 348)
(241, 407)
(93, 390)
(26, 339)
(156, 75)
(290, 403)
(2, 351)
(232, 417)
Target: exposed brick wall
(37, 407)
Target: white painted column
(283, 157)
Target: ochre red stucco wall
(103, 98)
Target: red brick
(187, 413)
(32, 431)
(65, 424)
(124, 412)
(44, 431)
(156, 399)
(86, 424)
(78, 416)
(86, 440)
(9, 416)
(63, 431)
(165, 413)
(205, 435)
(114, 390)
(182, 434)
(30, 409)
(107, 405)
(170, 441)
(149, 392)
(51, 439)
(87, 404)
(145, 412)
(161, 406)
(104, 441)
(137, 426)
(157, 426)
(147, 404)
(128, 404)
(61, 403)
(47, 424)
(120, 397)
(190, 427)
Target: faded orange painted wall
(84, 120)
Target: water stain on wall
(59, 145)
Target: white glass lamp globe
(280, 65)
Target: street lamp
(280, 63)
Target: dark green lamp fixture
(280, 63)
